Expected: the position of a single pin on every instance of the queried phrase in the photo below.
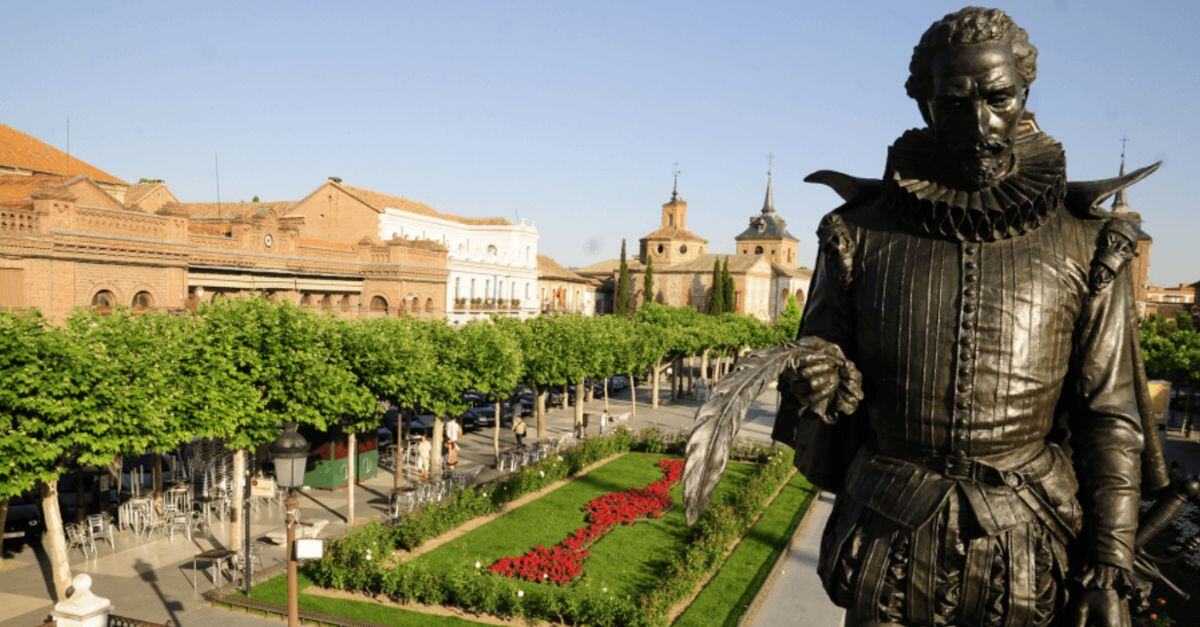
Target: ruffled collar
(1016, 205)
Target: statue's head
(970, 76)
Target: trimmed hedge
(362, 560)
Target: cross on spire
(769, 201)
(770, 163)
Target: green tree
(259, 363)
(492, 356)
(441, 393)
(393, 361)
(716, 299)
(32, 442)
(540, 363)
(787, 323)
(621, 297)
(730, 290)
(648, 281)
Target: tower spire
(769, 201)
(1119, 201)
(675, 190)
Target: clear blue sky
(572, 113)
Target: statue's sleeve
(828, 313)
(824, 451)
(1107, 429)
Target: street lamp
(290, 452)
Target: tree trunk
(654, 372)
(566, 397)
(704, 368)
(235, 523)
(579, 409)
(3, 522)
(157, 481)
(605, 393)
(539, 411)
(675, 372)
(351, 475)
(632, 396)
(60, 567)
(496, 435)
(398, 445)
(435, 453)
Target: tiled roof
(224, 210)
(607, 267)
(380, 201)
(675, 233)
(767, 225)
(15, 189)
(22, 151)
(551, 269)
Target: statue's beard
(978, 165)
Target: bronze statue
(980, 307)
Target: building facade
(562, 290)
(763, 276)
(492, 261)
(68, 241)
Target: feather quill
(718, 421)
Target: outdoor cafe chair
(78, 538)
(179, 521)
(100, 528)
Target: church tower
(1140, 264)
(672, 243)
(768, 235)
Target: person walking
(424, 449)
(518, 429)
(605, 416)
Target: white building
(492, 261)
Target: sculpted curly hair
(972, 25)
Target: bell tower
(671, 242)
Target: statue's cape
(824, 452)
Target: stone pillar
(82, 608)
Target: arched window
(378, 304)
(326, 302)
(415, 305)
(758, 250)
(344, 304)
(104, 301)
(306, 300)
(142, 301)
(428, 305)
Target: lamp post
(290, 451)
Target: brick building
(74, 236)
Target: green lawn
(275, 591)
(726, 597)
(626, 560)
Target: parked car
(24, 520)
(618, 382)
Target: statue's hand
(1099, 608)
(822, 375)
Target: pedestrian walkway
(152, 580)
(795, 596)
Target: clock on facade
(269, 240)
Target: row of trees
(106, 386)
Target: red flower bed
(563, 562)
